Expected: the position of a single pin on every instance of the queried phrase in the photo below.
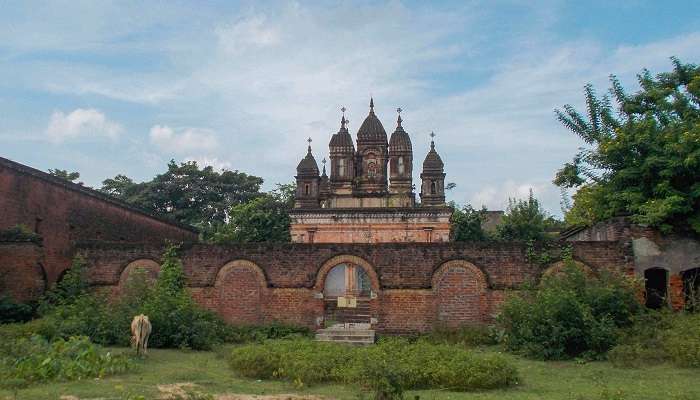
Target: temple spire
(432, 140)
(371, 105)
(399, 120)
(343, 121)
(309, 140)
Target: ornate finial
(398, 110)
(432, 140)
(371, 104)
(343, 110)
(324, 161)
(343, 121)
(309, 140)
(324, 165)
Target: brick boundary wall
(414, 286)
(63, 213)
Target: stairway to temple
(350, 333)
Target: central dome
(371, 129)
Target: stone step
(363, 342)
(338, 334)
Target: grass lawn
(540, 380)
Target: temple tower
(371, 157)
(401, 167)
(308, 182)
(433, 178)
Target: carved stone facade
(369, 196)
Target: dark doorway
(656, 282)
(691, 289)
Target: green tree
(524, 220)
(467, 224)
(643, 157)
(64, 174)
(187, 193)
(264, 219)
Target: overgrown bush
(682, 340)
(37, 360)
(570, 313)
(467, 335)
(659, 336)
(260, 333)
(11, 311)
(70, 309)
(388, 368)
(19, 233)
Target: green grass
(540, 380)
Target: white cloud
(81, 122)
(214, 162)
(185, 141)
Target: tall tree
(524, 220)
(467, 223)
(263, 219)
(644, 159)
(198, 196)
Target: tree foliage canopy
(467, 224)
(263, 219)
(64, 174)
(643, 157)
(198, 196)
(525, 220)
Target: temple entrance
(656, 284)
(347, 293)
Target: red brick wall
(22, 275)
(415, 286)
(63, 213)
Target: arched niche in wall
(559, 267)
(460, 289)
(239, 291)
(143, 268)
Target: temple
(369, 196)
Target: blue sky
(122, 87)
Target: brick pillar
(675, 292)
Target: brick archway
(361, 307)
(558, 267)
(239, 288)
(460, 292)
(346, 259)
(150, 268)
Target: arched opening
(433, 189)
(401, 166)
(656, 284)
(341, 167)
(691, 289)
(347, 291)
(306, 189)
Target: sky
(107, 88)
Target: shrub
(260, 333)
(19, 233)
(571, 313)
(468, 335)
(37, 360)
(69, 309)
(11, 311)
(682, 342)
(387, 368)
